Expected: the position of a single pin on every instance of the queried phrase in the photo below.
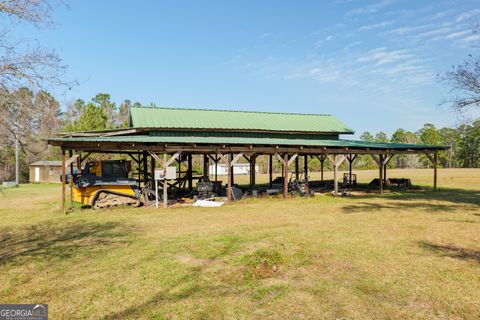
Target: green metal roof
(245, 140)
(202, 119)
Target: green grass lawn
(408, 255)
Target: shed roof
(201, 119)
(52, 163)
(246, 141)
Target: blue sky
(373, 64)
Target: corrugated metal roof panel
(234, 120)
(249, 140)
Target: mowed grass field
(403, 255)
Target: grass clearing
(412, 254)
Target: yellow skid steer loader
(105, 183)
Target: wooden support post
(252, 171)
(216, 169)
(286, 161)
(70, 155)
(145, 167)
(336, 162)
(165, 184)
(380, 165)
(189, 172)
(205, 165)
(79, 163)
(305, 166)
(152, 172)
(270, 169)
(165, 163)
(229, 177)
(145, 177)
(435, 175)
(335, 175)
(350, 169)
(285, 176)
(64, 178)
(381, 162)
(350, 159)
(229, 161)
(321, 158)
(232, 176)
(385, 173)
(297, 169)
(434, 161)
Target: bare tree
(27, 63)
(25, 68)
(465, 82)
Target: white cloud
(409, 29)
(371, 8)
(471, 39)
(381, 56)
(375, 26)
(351, 45)
(433, 33)
(467, 15)
(458, 34)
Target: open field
(409, 255)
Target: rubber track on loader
(108, 199)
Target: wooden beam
(205, 165)
(70, 154)
(435, 174)
(165, 184)
(64, 178)
(229, 178)
(229, 160)
(336, 160)
(114, 147)
(376, 158)
(152, 171)
(85, 157)
(285, 175)
(253, 159)
(321, 158)
(154, 156)
(297, 169)
(380, 166)
(305, 166)
(292, 158)
(71, 159)
(282, 161)
(236, 158)
(270, 170)
(189, 172)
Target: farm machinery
(106, 183)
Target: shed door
(37, 174)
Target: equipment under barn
(165, 137)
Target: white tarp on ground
(207, 203)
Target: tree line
(32, 117)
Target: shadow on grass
(47, 242)
(419, 199)
(452, 251)
(185, 287)
(190, 284)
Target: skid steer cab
(103, 184)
